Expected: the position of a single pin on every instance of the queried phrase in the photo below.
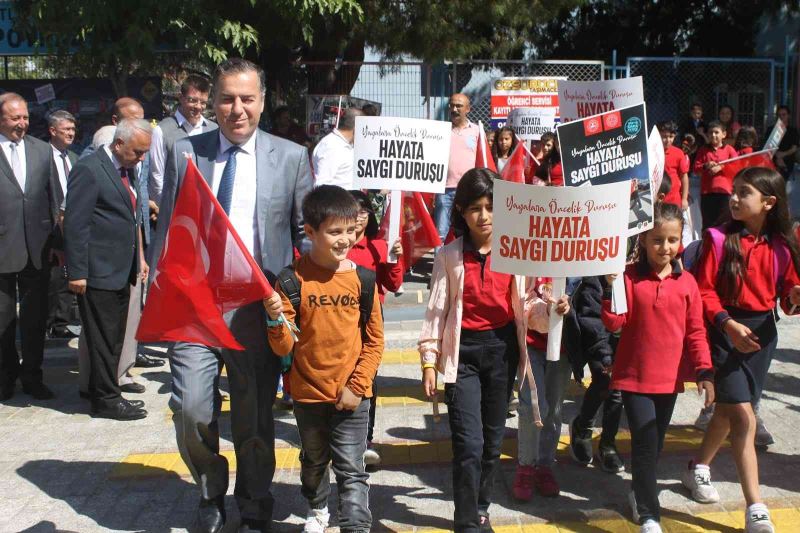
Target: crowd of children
(484, 331)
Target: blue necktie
(225, 191)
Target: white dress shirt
(158, 153)
(23, 162)
(60, 161)
(333, 161)
(243, 200)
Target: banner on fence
(608, 148)
(581, 99)
(559, 231)
(401, 154)
(529, 123)
(510, 93)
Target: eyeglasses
(194, 101)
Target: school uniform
(715, 189)
(739, 378)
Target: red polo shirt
(759, 288)
(664, 317)
(713, 183)
(372, 254)
(676, 164)
(487, 294)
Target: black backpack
(290, 286)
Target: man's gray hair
(128, 127)
(61, 115)
(348, 119)
(237, 65)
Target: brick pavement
(61, 470)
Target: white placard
(404, 154)
(656, 159)
(529, 123)
(559, 231)
(395, 210)
(581, 99)
(775, 136)
(45, 93)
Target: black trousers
(648, 419)
(598, 395)
(29, 287)
(477, 404)
(712, 206)
(103, 315)
(373, 405)
(60, 300)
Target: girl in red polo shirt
(746, 265)
(550, 170)
(715, 186)
(371, 252)
(665, 314)
(474, 334)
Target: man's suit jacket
(100, 228)
(283, 180)
(27, 221)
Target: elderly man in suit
(103, 241)
(61, 125)
(29, 201)
(260, 180)
(187, 121)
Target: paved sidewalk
(62, 470)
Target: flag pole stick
(745, 156)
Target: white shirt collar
(248, 147)
(339, 134)
(181, 120)
(4, 139)
(57, 151)
(109, 153)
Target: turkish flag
(756, 159)
(483, 154)
(417, 230)
(517, 164)
(204, 271)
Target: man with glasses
(187, 121)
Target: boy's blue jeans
(328, 435)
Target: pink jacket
(440, 338)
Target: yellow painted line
(392, 454)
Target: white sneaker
(650, 526)
(704, 417)
(697, 479)
(317, 520)
(371, 456)
(763, 436)
(757, 520)
(632, 503)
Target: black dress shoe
(38, 390)
(61, 333)
(6, 393)
(142, 361)
(211, 515)
(132, 388)
(85, 395)
(138, 404)
(254, 526)
(122, 410)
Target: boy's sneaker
(485, 525)
(609, 459)
(650, 526)
(757, 519)
(317, 520)
(371, 456)
(697, 478)
(634, 511)
(704, 417)
(763, 436)
(545, 482)
(523, 483)
(580, 443)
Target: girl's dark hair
(475, 184)
(553, 158)
(662, 212)
(747, 136)
(729, 108)
(372, 221)
(778, 225)
(497, 133)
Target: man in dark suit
(260, 180)
(103, 241)
(62, 134)
(29, 204)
